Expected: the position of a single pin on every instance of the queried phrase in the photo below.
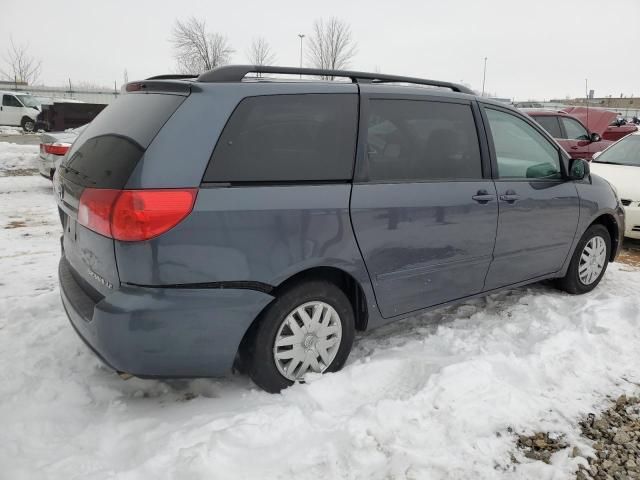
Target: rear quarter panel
(254, 233)
(249, 233)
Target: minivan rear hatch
(102, 159)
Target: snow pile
(5, 130)
(18, 157)
(430, 397)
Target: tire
(572, 281)
(333, 335)
(28, 125)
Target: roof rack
(235, 73)
(172, 76)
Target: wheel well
(610, 224)
(344, 281)
(26, 119)
(340, 278)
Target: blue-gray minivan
(240, 220)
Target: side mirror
(578, 169)
(595, 137)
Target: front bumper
(632, 220)
(162, 332)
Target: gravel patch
(19, 172)
(616, 437)
(540, 446)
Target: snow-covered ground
(5, 130)
(17, 157)
(436, 396)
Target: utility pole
(586, 97)
(301, 35)
(484, 75)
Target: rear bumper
(162, 332)
(46, 166)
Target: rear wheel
(589, 261)
(309, 328)
(28, 125)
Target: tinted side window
(287, 138)
(10, 101)
(521, 151)
(421, 140)
(550, 124)
(575, 131)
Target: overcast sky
(535, 48)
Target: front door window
(522, 151)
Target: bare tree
(20, 66)
(260, 53)
(331, 45)
(197, 50)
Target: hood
(597, 121)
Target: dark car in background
(570, 132)
(224, 220)
(62, 116)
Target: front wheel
(309, 328)
(28, 125)
(589, 261)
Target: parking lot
(459, 382)
(630, 253)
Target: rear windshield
(107, 151)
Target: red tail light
(134, 215)
(95, 209)
(55, 148)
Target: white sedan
(620, 165)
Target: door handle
(510, 196)
(574, 148)
(483, 197)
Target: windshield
(625, 152)
(28, 100)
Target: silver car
(53, 147)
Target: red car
(596, 118)
(571, 133)
(616, 131)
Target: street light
(301, 35)
(484, 75)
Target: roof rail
(172, 76)
(235, 73)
